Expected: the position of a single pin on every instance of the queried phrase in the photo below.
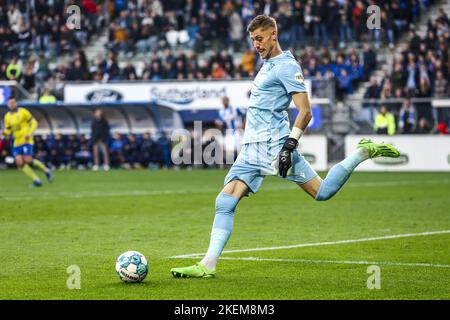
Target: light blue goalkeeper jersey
(267, 118)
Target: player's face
(12, 104)
(264, 41)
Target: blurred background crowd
(204, 39)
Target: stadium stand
(418, 70)
(152, 31)
(153, 41)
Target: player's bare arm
(304, 116)
(301, 102)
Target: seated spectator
(131, 152)
(356, 72)
(384, 122)
(47, 97)
(129, 72)
(83, 156)
(149, 152)
(344, 84)
(56, 149)
(23, 40)
(66, 39)
(41, 149)
(248, 62)
(155, 72)
(407, 118)
(71, 147)
(397, 102)
(118, 36)
(218, 72)
(78, 72)
(412, 77)
(423, 127)
(424, 108)
(14, 69)
(14, 17)
(442, 128)
(441, 89)
(369, 61)
(386, 90)
(373, 91)
(29, 78)
(193, 30)
(398, 77)
(112, 70)
(117, 157)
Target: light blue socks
(339, 174)
(223, 224)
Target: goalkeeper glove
(285, 156)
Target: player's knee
(322, 197)
(226, 204)
(19, 164)
(324, 193)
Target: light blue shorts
(255, 162)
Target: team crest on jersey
(299, 77)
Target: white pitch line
(78, 195)
(316, 244)
(381, 263)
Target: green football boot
(378, 149)
(196, 271)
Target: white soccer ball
(132, 266)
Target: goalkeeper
(267, 137)
(20, 123)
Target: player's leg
(36, 163)
(95, 151)
(23, 163)
(226, 203)
(245, 176)
(337, 176)
(104, 149)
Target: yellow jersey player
(20, 123)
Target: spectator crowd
(75, 152)
(421, 71)
(206, 39)
(191, 39)
(405, 121)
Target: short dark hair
(261, 21)
(11, 97)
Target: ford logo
(104, 95)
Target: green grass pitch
(89, 218)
